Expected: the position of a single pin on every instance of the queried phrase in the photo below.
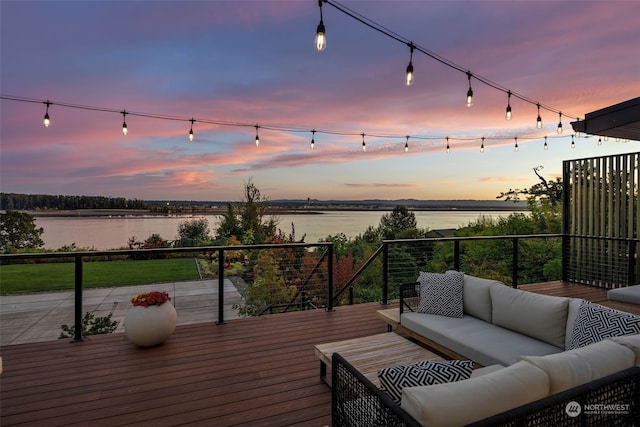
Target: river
(102, 233)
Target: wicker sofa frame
(357, 402)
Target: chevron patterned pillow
(441, 294)
(395, 378)
(595, 322)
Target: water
(104, 233)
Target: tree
(398, 221)
(18, 231)
(196, 230)
(249, 221)
(550, 191)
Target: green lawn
(55, 276)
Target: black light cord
(395, 36)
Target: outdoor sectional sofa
(538, 353)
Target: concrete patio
(37, 317)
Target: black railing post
(631, 278)
(330, 278)
(385, 273)
(77, 330)
(514, 270)
(220, 287)
(456, 255)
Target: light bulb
(600, 141)
(406, 145)
(539, 119)
(516, 147)
(47, 120)
(559, 129)
(482, 146)
(508, 113)
(409, 79)
(573, 143)
(191, 130)
(448, 148)
(546, 147)
(125, 130)
(313, 142)
(469, 102)
(321, 38)
(364, 146)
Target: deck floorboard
(248, 372)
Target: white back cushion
(572, 368)
(539, 316)
(466, 401)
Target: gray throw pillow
(441, 294)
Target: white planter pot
(149, 326)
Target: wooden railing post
(220, 287)
(77, 330)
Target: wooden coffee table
(370, 354)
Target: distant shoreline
(123, 213)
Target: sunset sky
(252, 63)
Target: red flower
(150, 298)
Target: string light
(573, 143)
(482, 145)
(321, 37)
(257, 137)
(546, 147)
(395, 36)
(406, 145)
(559, 129)
(125, 129)
(516, 147)
(508, 113)
(409, 77)
(470, 91)
(47, 120)
(448, 148)
(600, 141)
(313, 142)
(191, 130)
(539, 119)
(150, 115)
(364, 146)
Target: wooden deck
(255, 371)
